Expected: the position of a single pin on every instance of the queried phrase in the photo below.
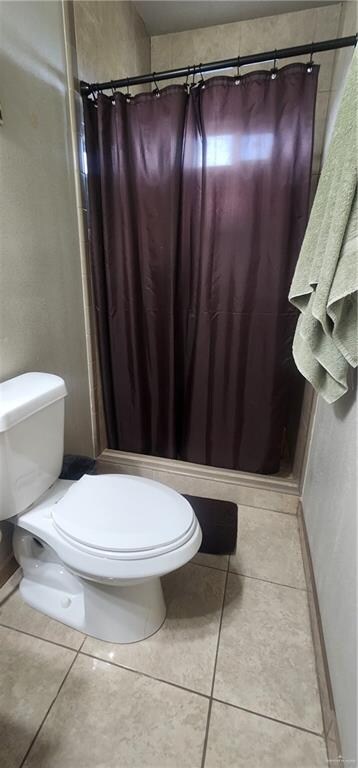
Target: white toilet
(92, 551)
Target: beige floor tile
(238, 739)
(106, 717)
(10, 585)
(266, 660)
(183, 650)
(255, 497)
(268, 547)
(212, 561)
(17, 614)
(31, 672)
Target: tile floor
(228, 682)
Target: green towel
(325, 283)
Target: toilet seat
(43, 519)
(123, 517)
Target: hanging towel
(325, 283)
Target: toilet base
(118, 614)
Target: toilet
(91, 551)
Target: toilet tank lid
(23, 395)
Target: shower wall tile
(320, 127)
(123, 469)
(314, 184)
(111, 41)
(240, 494)
(247, 37)
(279, 502)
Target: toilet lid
(121, 513)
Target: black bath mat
(218, 522)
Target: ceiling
(162, 16)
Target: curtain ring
(94, 95)
(128, 97)
(202, 79)
(274, 70)
(309, 67)
(238, 76)
(156, 89)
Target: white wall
(41, 303)
(330, 509)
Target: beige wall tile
(241, 494)
(247, 37)
(111, 41)
(320, 127)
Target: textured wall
(41, 304)
(111, 41)
(330, 506)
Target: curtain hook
(274, 70)
(309, 67)
(114, 91)
(128, 97)
(156, 89)
(193, 80)
(186, 84)
(238, 76)
(202, 79)
(94, 95)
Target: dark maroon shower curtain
(198, 206)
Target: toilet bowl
(92, 551)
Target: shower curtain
(198, 203)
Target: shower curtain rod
(198, 69)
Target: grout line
(144, 674)
(267, 581)
(50, 707)
(206, 737)
(212, 567)
(44, 639)
(272, 719)
(214, 670)
(246, 575)
(219, 634)
(269, 509)
(5, 599)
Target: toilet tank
(31, 439)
